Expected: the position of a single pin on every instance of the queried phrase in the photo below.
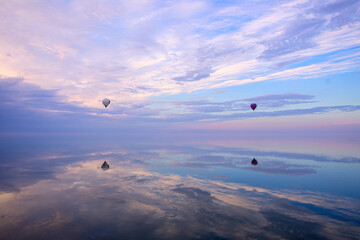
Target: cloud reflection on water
(19, 169)
(59, 195)
(128, 201)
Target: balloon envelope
(106, 102)
(253, 106)
(254, 162)
(105, 166)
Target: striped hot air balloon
(253, 106)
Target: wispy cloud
(20, 99)
(206, 113)
(265, 101)
(130, 52)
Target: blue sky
(179, 65)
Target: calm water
(54, 188)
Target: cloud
(232, 116)
(141, 57)
(341, 7)
(279, 97)
(300, 30)
(112, 48)
(296, 37)
(265, 101)
(10, 81)
(194, 75)
(28, 107)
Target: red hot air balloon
(253, 106)
(254, 162)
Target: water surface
(54, 188)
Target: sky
(180, 66)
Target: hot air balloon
(254, 162)
(105, 166)
(106, 102)
(253, 106)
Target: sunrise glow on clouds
(182, 61)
